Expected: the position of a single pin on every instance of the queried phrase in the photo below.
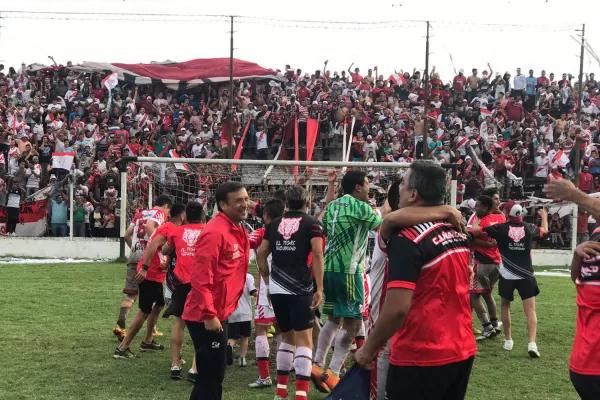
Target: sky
(535, 34)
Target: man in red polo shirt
(433, 347)
(217, 276)
(151, 274)
(183, 240)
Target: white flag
(63, 160)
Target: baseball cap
(52, 176)
(542, 151)
(369, 137)
(514, 211)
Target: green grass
(57, 343)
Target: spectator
(586, 180)
(80, 214)
(34, 174)
(58, 215)
(16, 195)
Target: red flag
(238, 152)
(296, 155)
(312, 129)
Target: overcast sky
(455, 30)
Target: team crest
(190, 236)
(289, 226)
(516, 233)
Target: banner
(32, 215)
(180, 166)
(240, 147)
(312, 130)
(110, 82)
(63, 160)
(296, 154)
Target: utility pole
(230, 104)
(426, 105)
(579, 95)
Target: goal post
(185, 179)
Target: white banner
(63, 160)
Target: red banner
(30, 215)
(296, 154)
(240, 147)
(312, 130)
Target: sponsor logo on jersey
(289, 226)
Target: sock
(494, 322)
(484, 319)
(303, 366)
(285, 358)
(360, 336)
(328, 332)
(343, 341)
(278, 339)
(123, 316)
(262, 356)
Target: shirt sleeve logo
(516, 233)
(289, 226)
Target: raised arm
(410, 216)
(564, 189)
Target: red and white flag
(398, 79)
(63, 160)
(32, 215)
(485, 113)
(181, 166)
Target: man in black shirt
(514, 239)
(290, 239)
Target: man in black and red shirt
(433, 347)
(514, 239)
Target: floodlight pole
(577, 165)
(230, 104)
(426, 105)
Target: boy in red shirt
(183, 240)
(151, 274)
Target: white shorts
(379, 374)
(264, 315)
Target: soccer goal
(196, 179)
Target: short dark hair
(393, 196)
(486, 201)
(163, 200)
(222, 192)
(176, 210)
(296, 197)
(274, 208)
(429, 180)
(351, 179)
(280, 195)
(490, 192)
(194, 212)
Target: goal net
(186, 180)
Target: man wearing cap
(542, 164)
(514, 239)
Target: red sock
(360, 342)
(282, 382)
(263, 368)
(302, 388)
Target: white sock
(262, 347)
(303, 362)
(285, 357)
(343, 341)
(326, 336)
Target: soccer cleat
(261, 383)
(157, 333)
(242, 362)
(330, 379)
(498, 328)
(229, 354)
(119, 333)
(191, 375)
(508, 345)
(123, 353)
(153, 346)
(315, 376)
(533, 350)
(477, 331)
(175, 373)
(486, 335)
(271, 330)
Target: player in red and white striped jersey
(137, 235)
(264, 314)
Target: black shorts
(150, 294)
(527, 288)
(587, 386)
(238, 330)
(293, 312)
(448, 381)
(178, 298)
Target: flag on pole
(296, 155)
(240, 147)
(63, 160)
(312, 130)
(110, 82)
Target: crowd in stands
(501, 129)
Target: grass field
(57, 343)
